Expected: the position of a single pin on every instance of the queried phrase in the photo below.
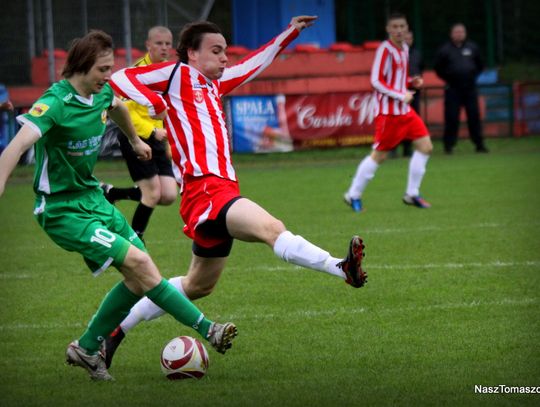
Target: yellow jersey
(143, 123)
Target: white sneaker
(94, 364)
(221, 335)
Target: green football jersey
(71, 129)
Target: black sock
(133, 194)
(140, 218)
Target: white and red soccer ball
(184, 357)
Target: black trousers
(454, 99)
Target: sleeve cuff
(23, 120)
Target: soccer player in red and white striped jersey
(212, 208)
(395, 120)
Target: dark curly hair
(191, 37)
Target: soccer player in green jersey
(66, 125)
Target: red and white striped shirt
(196, 121)
(390, 77)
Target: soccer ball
(184, 357)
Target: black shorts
(216, 228)
(160, 164)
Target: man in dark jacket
(458, 63)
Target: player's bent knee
(274, 229)
(151, 198)
(424, 145)
(427, 149)
(167, 198)
(279, 226)
(379, 157)
(137, 259)
(139, 271)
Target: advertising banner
(331, 120)
(259, 124)
(283, 123)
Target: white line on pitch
(313, 313)
(14, 276)
(529, 263)
(291, 267)
(433, 228)
(386, 310)
(533, 263)
(52, 326)
(367, 231)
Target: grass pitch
(452, 302)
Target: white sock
(297, 250)
(364, 173)
(417, 169)
(146, 310)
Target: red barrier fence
(505, 109)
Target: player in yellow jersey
(154, 179)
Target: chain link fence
(504, 29)
(30, 27)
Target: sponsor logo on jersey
(198, 95)
(68, 97)
(104, 116)
(39, 109)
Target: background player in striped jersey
(154, 179)
(395, 120)
(66, 125)
(212, 208)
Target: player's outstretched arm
(254, 63)
(23, 140)
(301, 22)
(120, 115)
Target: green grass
(453, 298)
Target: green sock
(113, 309)
(169, 299)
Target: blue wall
(257, 22)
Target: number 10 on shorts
(103, 237)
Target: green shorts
(85, 222)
